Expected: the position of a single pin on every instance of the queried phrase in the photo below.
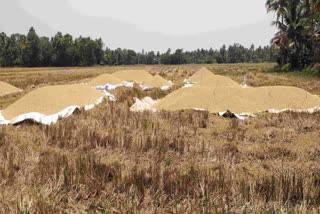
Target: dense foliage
(63, 50)
(298, 38)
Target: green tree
(114, 58)
(31, 53)
(3, 44)
(131, 58)
(45, 51)
(151, 58)
(298, 24)
(165, 58)
(223, 54)
(87, 48)
(99, 51)
(63, 50)
(107, 57)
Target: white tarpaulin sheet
(146, 88)
(110, 96)
(163, 88)
(110, 87)
(107, 86)
(310, 110)
(128, 84)
(187, 85)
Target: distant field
(111, 160)
(29, 78)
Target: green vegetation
(287, 68)
(63, 50)
(298, 38)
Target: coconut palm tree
(276, 6)
(297, 34)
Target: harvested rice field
(112, 160)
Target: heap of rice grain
(52, 99)
(156, 82)
(105, 79)
(6, 89)
(204, 77)
(138, 76)
(200, 75)
(238, 100)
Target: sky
(144, 24)
(178, 17)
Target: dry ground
(110, 160)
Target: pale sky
(177, 16)
(144, 24)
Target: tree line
(298, 38)
(63, 50)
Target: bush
(314, 70)
(286, 68)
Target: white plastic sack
(143, 105)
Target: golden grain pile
(138, 76)
(6, 88)
(202, 74)
(238, 100)
(156, 82)
(52, 99)
(205, 77)
(217, 94)
(105, 79)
